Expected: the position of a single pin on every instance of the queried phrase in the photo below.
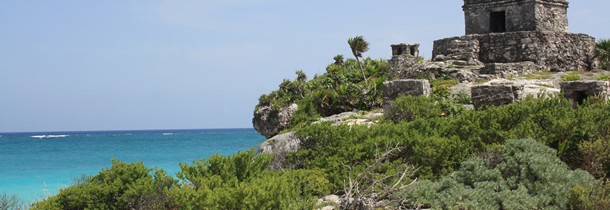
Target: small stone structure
(397, 88)
(498, 16)
(404, 56)
(496, 95)
(515, 31)
(578, 91)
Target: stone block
(397, 88)
(496, 95)
(578, 91)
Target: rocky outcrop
(269, 120)
(352, 118)
(280, 146)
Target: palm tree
(358, 46)
(338, 60)
(602, 53)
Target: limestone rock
(352, 118)
(269, 121)
(496, 95)
(280, 146)
(283, 143)
(578, 91)
(397, 88)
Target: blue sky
(175, 64)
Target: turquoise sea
(36, 165)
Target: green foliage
(436, 144)
(595, 157)
(242, 181)
(603, 77)
(602, 53)
(528, 176)
(339, 60)
(342, 88)
(122, 186)
(570, 77)
(587, 197)
(11, 202)
(358, 46)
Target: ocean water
(36, 165)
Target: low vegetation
(427, 152)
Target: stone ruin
(404, 55)
(578, 91)
(496, 95)
(397, 88)
(518, 33)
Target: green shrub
(603, 77)
(436, 145)
(242, 181)
(529, 176)
(122, 186)
(342, 88)
(570, 77)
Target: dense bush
(122, 186)
(243, 181)
(342, 88)
(528, 175)
(436, 144)
(240, 181)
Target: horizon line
(121, 130)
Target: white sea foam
(49, 136)
(168, 134)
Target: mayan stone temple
(518, 34)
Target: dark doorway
(497, 22)
(579, 98)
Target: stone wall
(396, 88)
(403, 56)
(456, 48)
(578, 91)
(556, 50)
(520, 15)
(506, 70)
(552, 15)
(496, 95)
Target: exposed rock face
(352, 118)
(280, 146)
(269, 121)
(578, 91)
(496, 95)
(397, 88)
(283, 143)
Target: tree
(602, 53)
(338, 59)
(358, 46)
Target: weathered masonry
(516, 31)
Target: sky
(73, 65)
